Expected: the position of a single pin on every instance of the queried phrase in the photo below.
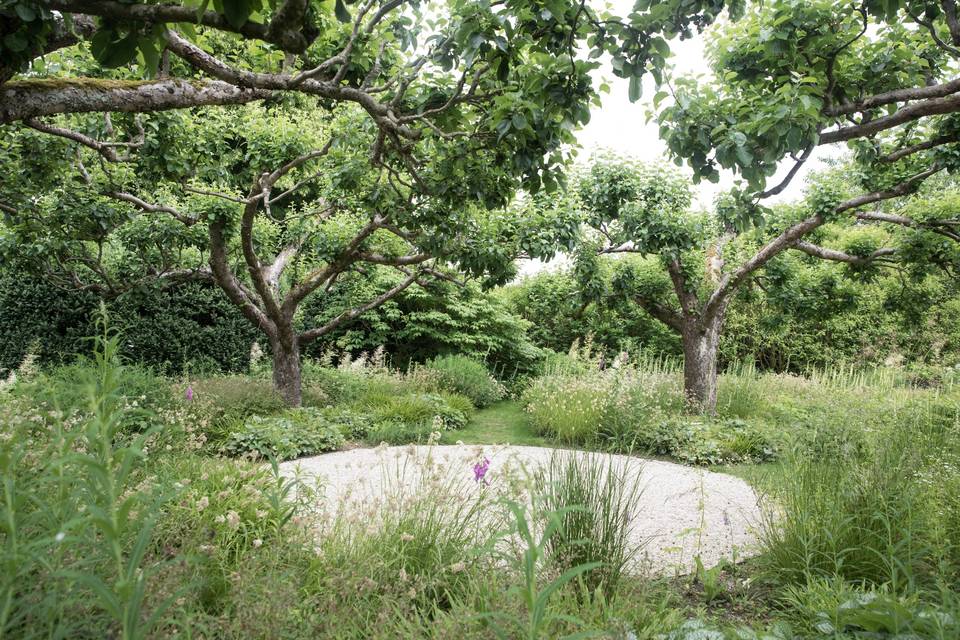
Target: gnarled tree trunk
(701, 340)
(286, 370)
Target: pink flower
(188, 394)
(480, 471)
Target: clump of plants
(413, 417)
(593, 501)
(467, 377)
(635, 410)
(292, 434)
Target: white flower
(60, 536)
(257, 542)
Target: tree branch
(351, 314)
(838, 256)
(36, 98)
(285, 35)
(897, 95)
(731, 281)
(908, 113)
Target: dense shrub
(293, 434)
(352, 424)
(468, 377)
(36, 316)
(192, 325)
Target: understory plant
(468, 377)
(292, 434)
(75, 526)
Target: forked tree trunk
(701, 340)
(286, 370)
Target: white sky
(621, 126)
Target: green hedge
(168, 329)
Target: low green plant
(353, 424)
(467, 377)
(293, 434)
(424, 548)
(709, 580)
(142, 394)
(412, 417)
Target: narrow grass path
(499, 423)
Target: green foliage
(551, 303)
(412, 417)
(293, 434)
(189, 326)
(880, 518)
(775, 72)
(64, 390)
(468, 377)
(79, 492)
(538, 618)
(423, 323)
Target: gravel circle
(683, 512)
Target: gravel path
(684, 511)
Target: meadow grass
(120, 518)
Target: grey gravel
(684, 512)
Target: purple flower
(188, 394)
(480, 471)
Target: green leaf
(15, 41)
(636, 88)
(341, 12)
(26, 13)
(151, 55)
(237, 12)
(112, 54)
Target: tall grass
(595, 498)
(468, 377)
(885, 518)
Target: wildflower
(220, 519)
(233, 519)
(188, 394)
(59, 537)
(480, 471)
(457, 567)
(406, 537)
(203, 503)
(257, 542)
